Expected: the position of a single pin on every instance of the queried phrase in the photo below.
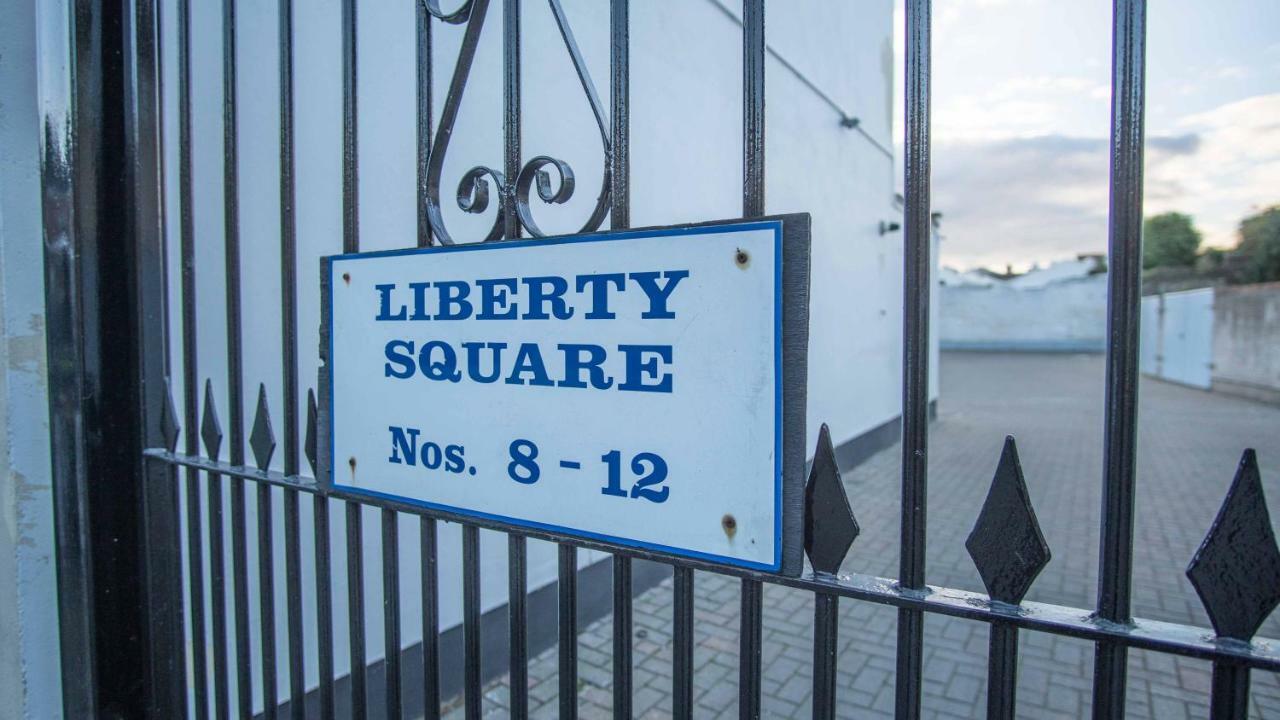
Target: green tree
(1169, 240)
(1260, 245)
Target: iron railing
(1236, 571)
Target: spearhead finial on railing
(169, 427)
(1236, 571)
(210, 428)
(309, 442)
(1006, 543)
(829, 525)
(262, 439)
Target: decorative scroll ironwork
(473, 193)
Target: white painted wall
(686, 154)
(1246, 339)
(1063, 316)
(30, 681)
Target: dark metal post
(915, 353)
(1124, 287)
(119, 576)
(164, 671)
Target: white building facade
(828, 63)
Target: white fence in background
(1177, 337)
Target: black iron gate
(124, 606)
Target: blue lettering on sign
(406, 450)
(626, 367)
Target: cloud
(1023, 200)
(1026, 199)
(1024, 106)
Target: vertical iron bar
(753, 146)
(324, 604)
(235, 387)
(568, 627)
(753, 49)
(682, 651)
(355, 609)
(826, 628)
(424, 118)
(915, 353)
(350, 137)
(240, 596)
(620, 96)
(267, 602)
(1124, 286)
(620, 218)
(471, 620)
(430, 621)
(510, 114)
(289, 363)
(293, 604)
(195, 563)
(1230, 699)
(391, 609)
(622, 651)
(190, 388)
(218, 595)
(753, 96)
(288, 243)
(1002, 672)
(750, 642)
(351, 243)
(517, 587)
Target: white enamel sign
(626, 388)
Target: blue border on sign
(775, 225)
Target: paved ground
(1189, 444)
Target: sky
(1021, 119)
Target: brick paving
(1189, 444)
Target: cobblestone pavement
(1189, 444)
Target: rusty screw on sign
(346, 278)
(730, 525)
(742, 258)
(351, 461)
